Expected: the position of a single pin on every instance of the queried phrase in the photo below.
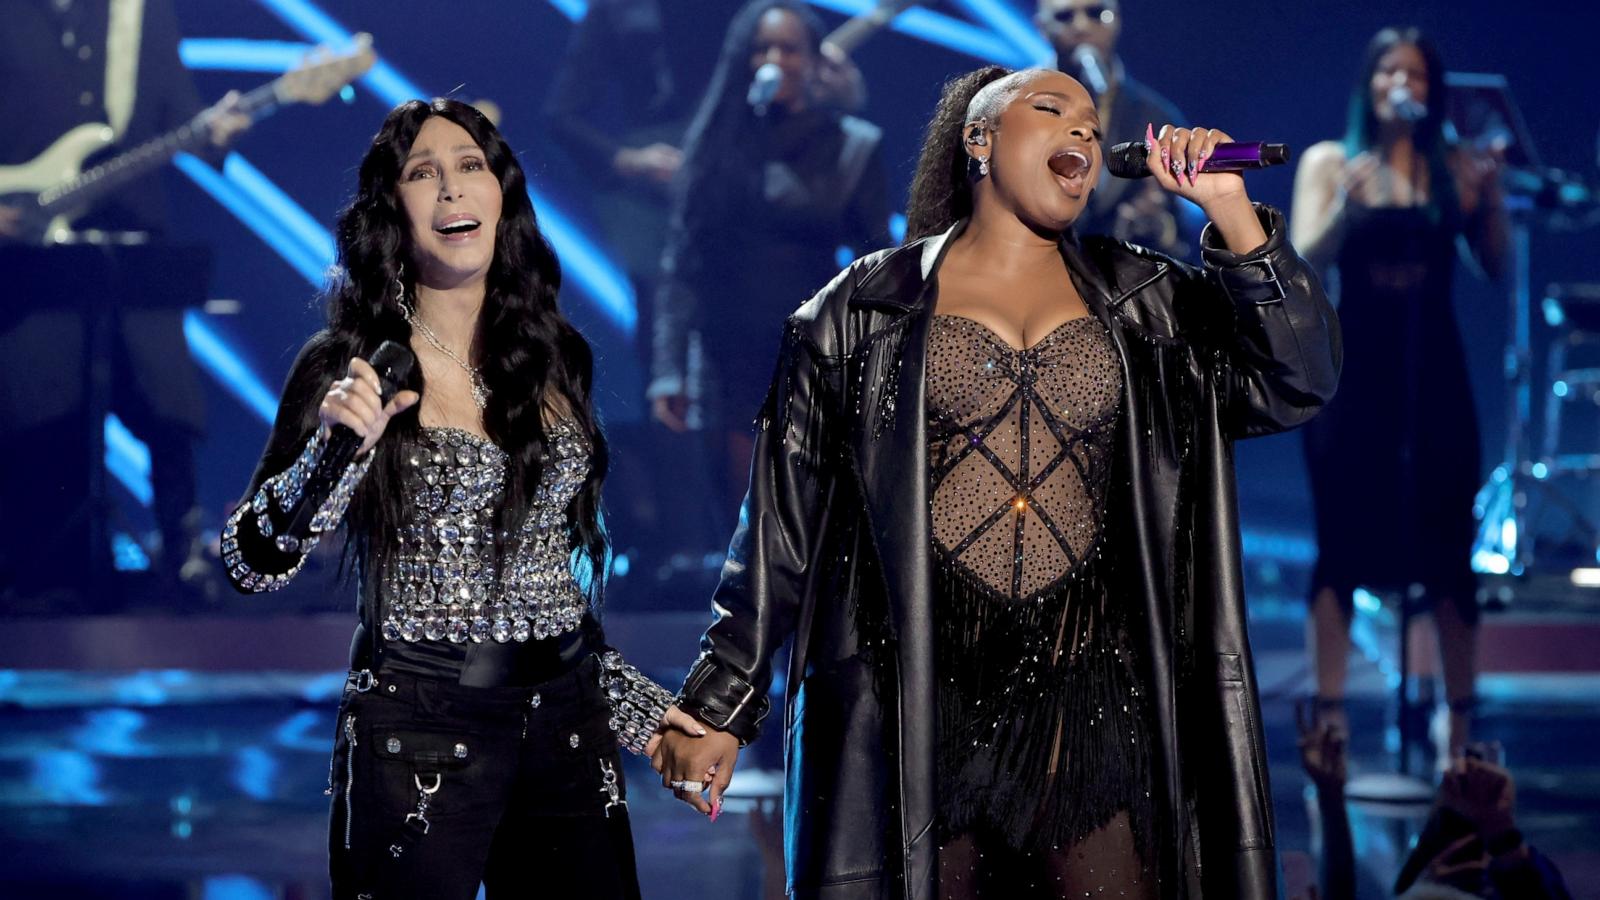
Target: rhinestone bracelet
(637, 703)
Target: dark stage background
(164, 749)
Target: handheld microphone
(764, 86)
(1127, 160)
(1094, 75)
(1407, 108)
(393, 363)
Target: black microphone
(1127, 160)
(393, 363)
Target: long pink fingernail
(1150, 134)
(716, 810)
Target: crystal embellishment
(451, 575)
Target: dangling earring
(978, 136)
(400, 298)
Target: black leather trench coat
(834, 549)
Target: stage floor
(179, 783)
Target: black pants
(438, 787)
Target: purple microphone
(1127, 160)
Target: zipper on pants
(349, 774)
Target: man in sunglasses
(1084, 34)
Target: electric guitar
(52, 189)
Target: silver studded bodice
(448, 579)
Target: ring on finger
(691, 786)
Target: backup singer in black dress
(479, 728)
(1394, 463)
(992, 503)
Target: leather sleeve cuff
(1250, 277)
(723, 700)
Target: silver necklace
(480, 390)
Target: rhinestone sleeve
(258, 556)
(637, 703)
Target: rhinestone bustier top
(1020, 443)
(450, 576)
(448, 579)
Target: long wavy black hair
(531, 357)
(1361, 129)
(941, 190)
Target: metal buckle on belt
(362, 681)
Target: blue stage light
(128, 459)
(236, 887)
(945, 31)
(314, 239)
(236, 201)
(242, 55)
(572, 9)
(1015, 27)
(66, 778)
(221, 361)
(254, 771)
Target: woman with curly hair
(479, 728)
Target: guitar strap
(124, 33)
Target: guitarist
(67, 63)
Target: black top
(761, 235)
(1394, 460)
(52, 73)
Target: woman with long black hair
(768, 193)
(993, 504)
(479, 727)
(1394, 464)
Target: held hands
(686, 751)
(1178, 158)
(354, 401)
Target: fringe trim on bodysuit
(1043, 720)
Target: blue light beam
(242, 55)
